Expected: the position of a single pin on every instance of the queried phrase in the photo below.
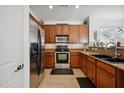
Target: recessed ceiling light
(77, 6)
(50, 7)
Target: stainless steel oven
(62, 59)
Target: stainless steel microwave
(62, 39)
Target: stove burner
(62, 48)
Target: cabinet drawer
(91, 60)
(106, 67)
(49, 53)
(74, 53)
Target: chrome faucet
(115, 50)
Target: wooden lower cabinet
(101, 74)
(120, 78)
(49, 60)
(105, 79)
(83, 63)
(74, 59)
(91, 70)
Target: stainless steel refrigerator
(36, 54)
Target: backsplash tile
(108, 51)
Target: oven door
(62, 57)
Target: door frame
(26, 57)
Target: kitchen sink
(102, 56)
(109, 58)
(117, 60)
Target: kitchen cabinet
(66, 29)
(47, 33)
(101, 74)
(91, 69)
(74, 34)
(74, 59)
(84, 33)
(59, 29)
(62, 29)
(52, 33)
(83, 63)
(106, 75)
(105, 79)
(49, 60)
(120, 78)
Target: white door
(11, 45)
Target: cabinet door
(74, 34)
(120, 78)
(52, 33)
(74, 60)
(83, 34)
(91, 71)
(47, 33)
(105, 79)
(52, 59)
(49, 60)
(80, 61)
(83, 63)
(59, 29)
(65, 29)
(46, 63)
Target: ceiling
(70, 13)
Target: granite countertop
(117, 65)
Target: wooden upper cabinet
(62, 29)
(52, 33)
(83, 33)
(65, 29)
(59, 29)
(47, 33)
(77, 33)
(74, 34)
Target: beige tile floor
(61, 81)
